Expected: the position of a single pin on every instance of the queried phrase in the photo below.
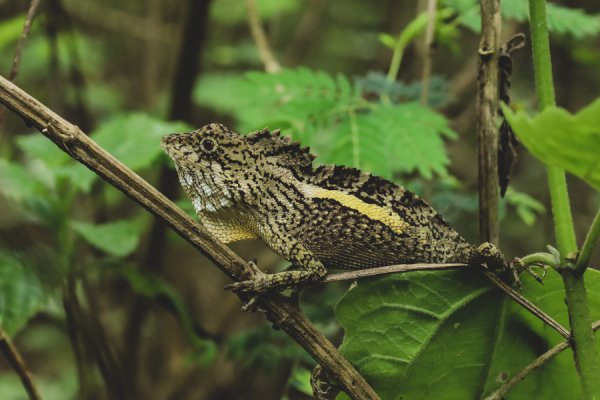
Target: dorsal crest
(287, 152)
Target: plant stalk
(586, 355)
(584, 347)
(542, 64)
(487, 124)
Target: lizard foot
(245, 289)
(248, 290)
(320, 386)
(517, 263)
(489, 256)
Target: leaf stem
(539, 258)
(586, 354)
(590, 242)
(409, 33)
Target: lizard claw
(243, 287)
(244, 290)
(517, 263)
(248, 290)
(320, 386)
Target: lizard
(264, 185)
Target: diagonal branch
(280, 310)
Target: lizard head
(219, 168)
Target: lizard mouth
(169, 143)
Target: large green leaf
(118, 238)
(450, 335)
(22, 294)
(135, 138)
(559, 138)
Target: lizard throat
(207, 193)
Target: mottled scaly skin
(263, 185)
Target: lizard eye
(208, 145)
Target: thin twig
(14, 69)
(280, 310)
(532, 308)
(389, 269)
(538, 362)
(426, 73)
(260, 38)
(15, 359)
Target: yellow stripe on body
(372, 211)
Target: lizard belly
(228, 226)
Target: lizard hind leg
(489, 255)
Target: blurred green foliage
(61, 224)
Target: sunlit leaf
(56, 163)
(17, 183)
(135, 138)
(118, 238)
(561, 139)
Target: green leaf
(135, 138)
(10, 30)
(22, 294)
(394, 138)
(526, 206)
(17, 183)
(561, 20)
(329, 114)
(449, 335)
(57, 164)
(37, 146)
(524, 337)
(300, 380)
(118, 238)
(420, 336)
(561, 139)
(387, 40)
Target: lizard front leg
(311, 269)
